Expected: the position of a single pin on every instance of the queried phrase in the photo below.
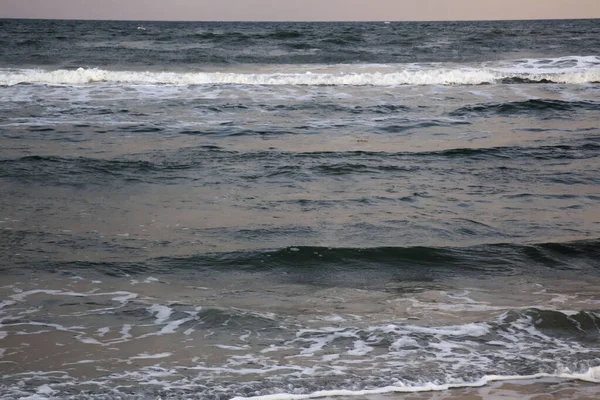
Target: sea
(289, 211)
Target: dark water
(188, 45)
(226, 210)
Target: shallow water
(221, 211)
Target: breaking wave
(436, 76)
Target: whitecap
(410, 74)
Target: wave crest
(437, 76)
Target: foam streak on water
(203, 343)
(589, 376)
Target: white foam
(229, 347)
(472, 329)
(169, 328)
(57, 327)
(145, 356)
(360, 349)
(404, 342)
(332, 318)
(574, 73)
(86, 340)
(592, 375)
(22, 295)
(319, 342)
(102, 331)
(330, 357)
(80, 362)
(273, 348)
(568, 63)
(6, 303)
(45, 389)
(125, 332)
(122, 297)
(249, 371)
(162, 313)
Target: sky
(300, 10)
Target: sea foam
(343, 76)
(591, 375)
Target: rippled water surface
(237, 210)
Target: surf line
(591, 375)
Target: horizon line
(297, 21)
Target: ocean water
(299, 210)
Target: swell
(80, 171)
(527, 107)
(368, 267)
(196, 163)
(495, 258)
(321, 108)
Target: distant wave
(436, 76)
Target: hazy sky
(300, 10)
